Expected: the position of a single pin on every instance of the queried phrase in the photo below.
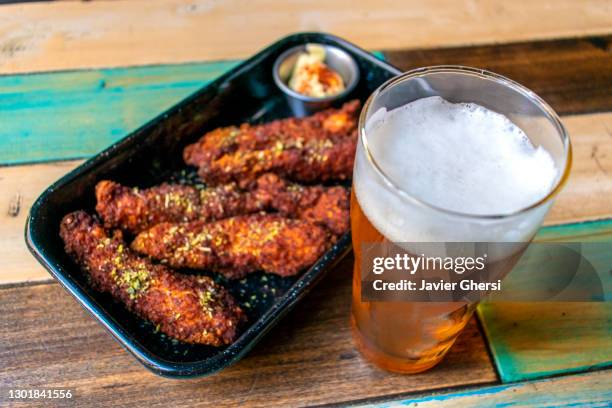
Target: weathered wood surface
(71, 115)
(540, 339)
(573, 75)
(46, 339)
(534, 340)
(59, 35)
(75, 114)
(586, 196)
(583, 390)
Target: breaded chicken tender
(237, 246)
(325, 206)
(135, 210)
(312, 161)
(316, 148)
(188, 308)
(330, 124)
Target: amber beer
(431, 170)
(402, 337)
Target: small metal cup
(335, 58)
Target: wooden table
(522, 354)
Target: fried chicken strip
(236, 246)
(188, 308)
(135, 210)
(330, 124)
(325, 206)
(311, 161)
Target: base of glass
(389, 362)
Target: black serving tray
(153, 154)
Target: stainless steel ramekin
(335, 58)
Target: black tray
(152, 154)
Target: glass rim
(549, 113)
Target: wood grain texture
(19, 188)
(68, 35)
(68, 115)
(72, 115)
(584, 390)
(539, 339)
(534, 340)
(573, 75)
(589, 187)
(307, 359)
(586, 196)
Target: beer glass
(411, 337)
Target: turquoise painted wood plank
(75, 114)
(583, 390)
(535, 340)
(68, 115)
(587, 231)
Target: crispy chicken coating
(237, 246)
(325, 206)
(134, 209)
(316, 148)
(316, 160)
(188, 308)
(330, 124)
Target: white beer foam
(460, 157)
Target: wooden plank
(584, 197)
(20, 186)
(535, 340)
(584, 390)
(308, 359)
(67, 35)
(588, 231)
(586, 194)
(574, 75)
(75, 114)
(72, 115)
(539, 339)
(68, 115)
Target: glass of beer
(446, 154)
